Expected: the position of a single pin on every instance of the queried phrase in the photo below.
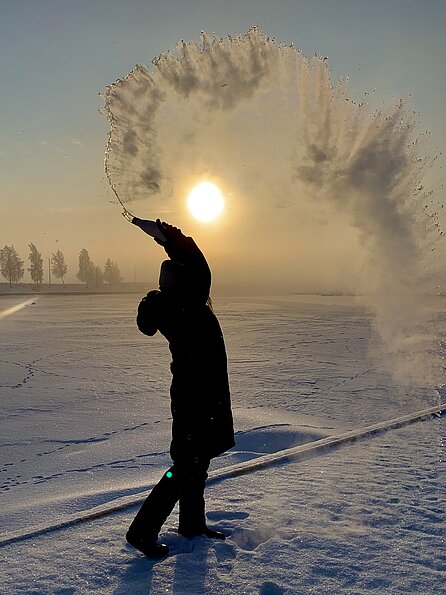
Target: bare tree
(58, 266)
(85, 267)
(11, 265)
(36, 264)
(112, 274)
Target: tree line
(12, 267)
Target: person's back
(200, 387)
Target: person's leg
(156, 507)
(192, 479)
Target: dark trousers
(183, 482)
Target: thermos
(148, 226)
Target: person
(202, 423)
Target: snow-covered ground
(84, 400)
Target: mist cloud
(295, 153)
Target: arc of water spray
(149, 227)
(198, 110)
(131, 218)
(125, 212)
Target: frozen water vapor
(268, 121)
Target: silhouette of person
(202, 424)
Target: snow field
(327, 525)
(85, 401)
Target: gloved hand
(149, 299)
(147, 318)
(184, 250)
(171, 233)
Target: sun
(205, 202)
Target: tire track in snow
(278, 458)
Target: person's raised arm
(183, 249)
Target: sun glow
(205, 201)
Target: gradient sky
(56, 56)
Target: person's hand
(151, 296)
(170, 232)
(148, 312)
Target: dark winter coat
(200, 397)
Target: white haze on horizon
(318, 188)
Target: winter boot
(148, 547)
(210, 533)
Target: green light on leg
(169, 474)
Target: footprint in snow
(225, 553)
(250, 539)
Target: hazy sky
(57, 55)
